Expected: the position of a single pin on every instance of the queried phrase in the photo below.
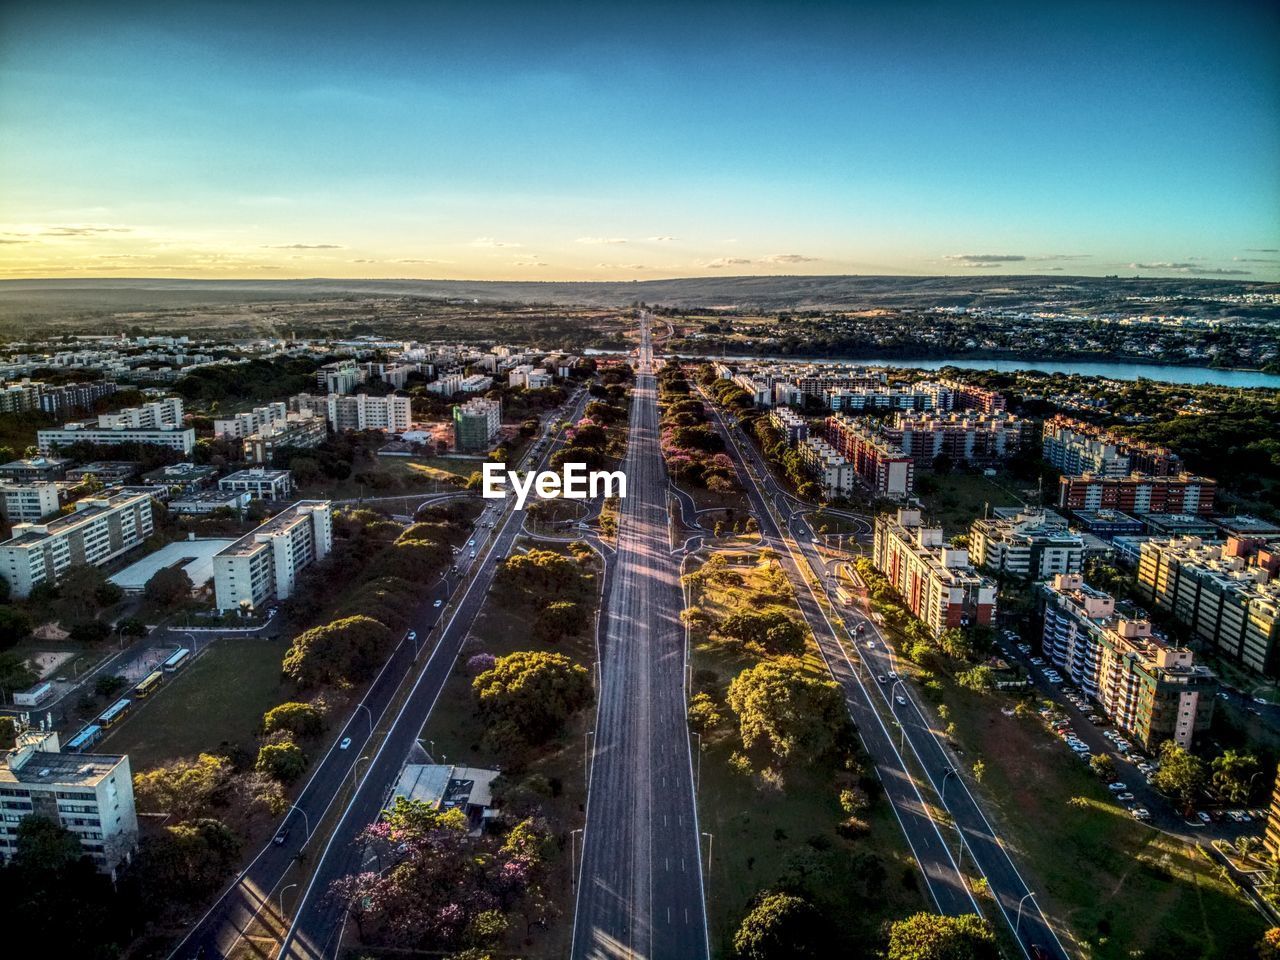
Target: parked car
(1117, 787)
(1124, 797)
(1141, 813)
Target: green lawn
(220, 698)
(766, 837)
(455, 732)
(954, 500)
(1122, 888)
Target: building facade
(361, 411)
(29, 502)
(264, 564)
(1138, 493)
(965, 438)
(476, 424)
(882, 467)
(261, 483)
(1027, 546)
(1150, 688)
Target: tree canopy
(781, 926)
(527, 695)
(348, 650)
(930, 936)
(796, 717)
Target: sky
(600, 141)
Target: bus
(148, 686)
(177, 661)
(86, 738)
(113, 713)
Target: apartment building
(29, 502)
(1138, 493)
(1076, 447)
(1271, 839)
(937, 582)
(758, 389)
(35, 468)
(188, 476)
(395, 375)
(91, 795)
(297, 430)
(264, 564)
(260, 483)
(881, 466)
(26, 395)
(158, 423)
(1150, 688)
(247, 424)
(97, 531)
(827, 467)
(973, 438)
(361, 411)
(793, 427)
(153, 415)
(918, 396)
(1227, 593)
(202, 502)
(966, 396)
(476, 424)
(528, 376)
(341, 376)
(1027, 545)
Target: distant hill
(37, 298)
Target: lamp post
(697, 781)
(1018, 923)
(355, 769)
(363, 706)
(947, 775)
(893, 709)
(306, 822)
(282, 893)
(573, 859)
(711, 838)
(586, 751)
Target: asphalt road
(975, 839)
(640, 891)
(317, 920)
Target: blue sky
(578, 141)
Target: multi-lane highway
(317, 920)
(640, 883)
(972, 837)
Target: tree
(1181, 775)
(15, 673)
(798, 718)
(704, 713)
(89, 631)
(131, 627)
(15, 625)
(78, 588)
(1103, 765)
(980, 679)
(184, 788)
(563, 618)
(8, 733)
(773, 632)
(302, 719)
(283, 761)
(1233, 773)
(527, 695)
(930, 936)
(108, 685)
(1269, 946)
(781, 926)
(168, 587)
(347, 649)
(184, 862)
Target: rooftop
(75, 769)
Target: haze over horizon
(563, 143)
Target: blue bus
(85, 739)
(178, 660)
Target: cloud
(529, 263)
(1255, 260)
(410, 260)
(362, 260)
(787, 258)
(303, 246)
(1055, 268)
(1263, 249)
(597, 240)
(491, 242)
(82, 230)
(663, 239)
(621, 266)
(123, 256)
(720, 262)
(984, 259)
(1190, 268)
(14, 241)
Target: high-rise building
(475, 424)
(881, 466)
(1026, 545)
(361, 411)
(98, 530)
(790, 424)
(1150, 688)
(827, 467)
(341, 376)
(1227, 593)
(936, 581)
(247, 424)
(1138, 493)
(264, 564)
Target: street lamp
(893, 709)
(697, 783)
(947, 775)
(711, 838)
(363, 706)
(1018, 922)
(431, 754)
(573, 860)
(355, 767)
(586, 751)
(306, 823)
(282, 893)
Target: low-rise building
(1179, 525)
(261, 483)
(1026, 546)
(295, 431)
(264, 564)
(29, 502)
(109, 473)
(937, 582)
(1108, 524)
(90, 795)
(972, 438)
(97, 531)
(1076, 447)
(182, 439)
(1226, 592)
(187, 476)
(35, 468)
(200, 502)
(476, 424)
(1151, 689)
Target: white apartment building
(100, 529)
(90, 795)
(247, 424)
(259, 482)
(827, 466)
(361, 411)
(446, 385)
(264, 565)
(149, 416)
(341, 376)
(29, 502)
(790, 424)
(1027, 545)
(158, 422)
(528, 376)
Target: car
(1141, 813)
(1038, 661)
(902, 701)
(1223, 696)
(862, 628)
(1244, 816)
(893, 674)
(1125, 797)
(882, 678)
(281, 836)
(473, 554)
(871, 644)
(438, 604)
(1234, 815)
(1203, 817)
(1055, 679)
(471, 543)
(346, 742)
(412, 634)
(1117, 787)
(1263, 701)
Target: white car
(412, 634)
(346, 742)
(438, 604)
(902, 701)
(1141, 813)
(1124, 797)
